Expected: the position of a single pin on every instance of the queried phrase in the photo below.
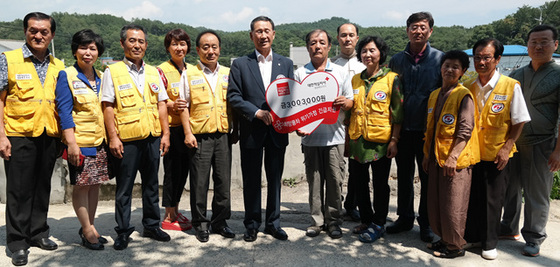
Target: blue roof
(511, 50)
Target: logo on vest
(175, 85)
(280, 76)
(497, 107)
(225, 78)
(380, 95)
(448, 119)
(26, 76)
(125, 86)
(197, 81)
(154, 87)
(500, 97)
(78, 84)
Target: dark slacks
(488, 189)
(213, 152)
(176, 167)
(28, 189)
(359, 173)
(410, 148)
(143, 156)
(251, 168)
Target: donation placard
(304, 105)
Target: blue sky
(235, 15)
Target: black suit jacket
(246, 94)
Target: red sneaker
(174, 226)
(184, 222)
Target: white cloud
(396, 17)
(264, 11)
(144, 10)
(241, 16)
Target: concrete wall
(60, 193)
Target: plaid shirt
(41, 67)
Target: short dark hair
(261, 18)
(379, 42)
(85, 37)
(349, 23)
(177, 34)
(459, 55)
(544, 27)
(419, 16)
(308, 36)
(125, 28)
(38, 16)
(498, 46)
(210, 32)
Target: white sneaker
(490, 254)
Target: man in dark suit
(249, 77)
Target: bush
(555, 193)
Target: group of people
(477, 143)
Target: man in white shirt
(324, 148)
(135, 111)
(207, 124)
(347, 36)
(501, 114)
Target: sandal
(372, 233)
(359, 228)
(436, 246)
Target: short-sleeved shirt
(328, 134)
(138, 76)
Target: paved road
(404, 249)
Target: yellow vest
(30, 108)
(445, 129)
(494, 121)
(208, 111)
(173, 78)
(87, 114)
(371, 117)
(136, 115)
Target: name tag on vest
(500, 97)
(81, 92)
(26, 76)
(175, 85)
(125, 86)
(197, 82)
(78, 84)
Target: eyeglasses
(483, 58)
(541, 43)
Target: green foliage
(555, 192)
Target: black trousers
(176, 168)
(359, 173)
(488, 189)
(213, 153)
(410, 147)
(28, 189)
(251, 168)
(142, 155)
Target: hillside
(510, 30)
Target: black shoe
(44, 243)
(156, 234)
(19, 257)
(250, 235)
(449, 253)
(92, 246)
(427, 235)
(225, 232)
(400, 225)
(202, 235)
(277, 233)
(101, 239)
(121, 242)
